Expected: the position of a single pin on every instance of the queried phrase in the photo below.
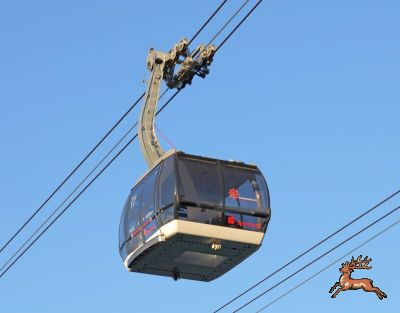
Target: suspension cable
(226, 24)
(321, 256)
(80, 184)
(76, 168)
(68, 206)
(312, 248)
(238, 25)
(104, 168)
(338, 260)
(223, 27)
(179, 89)
(97, 145)
(66, 199)
(205, 24)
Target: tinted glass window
(253, 222)
(148, 204)
(123, 233)
(243, 221)
(244, 189)
(166, 216)
(232, 220)
(166, 185)
(199, 182)
(200, 215)
(122, 236)
(132, 218)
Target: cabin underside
(185, 250)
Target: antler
(359, 263)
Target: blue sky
(307, 90)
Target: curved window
(199, 182)
(166, 191)
(137, 223)
(129, 220)
(122, 228)
(166, 184)
(244, 190)
(148, 204)
(132, 219)
(122, 239)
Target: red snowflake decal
(233, 193)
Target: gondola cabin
(193, 217)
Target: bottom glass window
(206, 216)
(232, 220)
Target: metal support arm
(162, 66)
(149, 144)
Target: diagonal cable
(66, 199)
(98, 144)
(87, 186)
(338, 260)
(312, 248)
(123, 147)
(321, 256)
(80, 184)
(230, 20)
(68, 177)
(205, 24)
(223, 27)
(238, 25)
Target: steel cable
(68, 177)
(97, 145)
(238, 25)
(66, 199)
(1, 275)
(226, 24)
(205, 24)
(56, 218)
(321, 256)
(80, 184)
(312, 248)
(223, 27)
(338, 260)
(108, 153)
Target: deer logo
(347, 283)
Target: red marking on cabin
(150, 230)
(231, 219)
(133, 235)
(144, 225)
(248, 224)
(233, 193)
(141, 227)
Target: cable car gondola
(189, 216)
(193, 217)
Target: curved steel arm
(149, 144)
(162, 66)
